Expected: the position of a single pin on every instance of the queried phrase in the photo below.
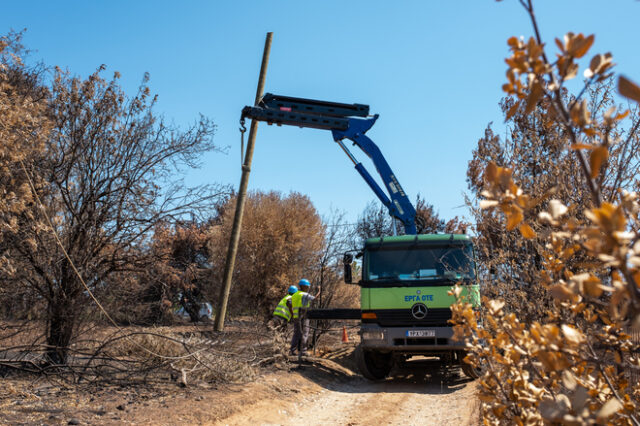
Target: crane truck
(404, 305)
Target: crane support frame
(346, 121)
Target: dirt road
(422, 395)
(325, 391)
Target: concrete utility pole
(242, 193)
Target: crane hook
(243, 129)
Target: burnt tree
(110, 173)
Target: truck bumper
(396, 339)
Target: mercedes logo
(419, 311)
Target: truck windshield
(421, 263)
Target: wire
(341, 224)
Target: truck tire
(373, 365)
(469, 370)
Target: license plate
(421, 333)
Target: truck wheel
(373, 365)
(469, 370)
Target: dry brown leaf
(582, 45)
(572, 335)
(628, 89)
(608, 409)
(495, 306)
(514, 217)
(512, 111)
(561, 292)
(527, 231)
(491, 172)
(534, 96)
(557, 208)
(487, 204)
(598, 157)
(569, 380)
(577, 146)
(592, 287)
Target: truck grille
(400, 317)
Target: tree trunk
(61, 322)
(64, 311)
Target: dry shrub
(375, 221)
(228, 358)
(571, 360)
(24, 128)
(535, 150)
(280, 243)
(328, 272)
(346, 296)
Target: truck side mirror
(347, 260)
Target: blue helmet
(304, 282)
(293, 289)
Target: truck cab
(404, 301)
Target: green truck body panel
(406, 297)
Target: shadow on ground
(337, 371)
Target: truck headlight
(373, 335)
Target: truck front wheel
(373, 365)
(469, 370)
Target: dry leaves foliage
(281, 242)
(575, 359)
(24, 127)
(375, 221)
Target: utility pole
(242, 193)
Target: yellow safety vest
(299, 301)
(282, 310)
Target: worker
(301, 301)
(284, 311)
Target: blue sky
(432, 70)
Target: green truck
(405, 279)
(405, 305)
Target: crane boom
(346, 121)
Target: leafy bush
(562, 349)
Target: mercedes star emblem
(419, 311)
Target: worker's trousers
(300, 334)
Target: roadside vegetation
(557, 222)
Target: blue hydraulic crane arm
(346, 121)
(399, 205)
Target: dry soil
(321, 391)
